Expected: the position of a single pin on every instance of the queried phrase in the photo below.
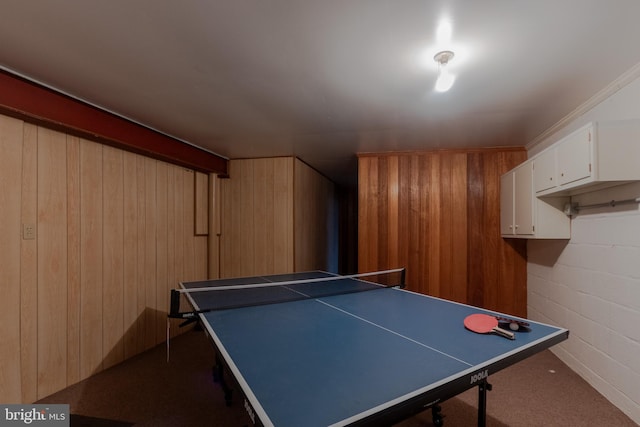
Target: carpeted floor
(148, 391)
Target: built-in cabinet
(576, 158)
(596, 156)
(524, 215)
(517, 193)
(545, 166)
(533, 196)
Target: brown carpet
(148, 391)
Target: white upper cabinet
(523, 215)
(524, 200)
(507, 204)
(596, 156)
(516, 202)
(575, 157)
(534, 194)
(544, 167)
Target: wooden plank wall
(257, 217)
(214, 228)
(10, 252)
(438, 214)
(315, 219)
(114, 231)
(275, 217)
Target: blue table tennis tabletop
(363, 358)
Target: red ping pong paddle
(486, 324)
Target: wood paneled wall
(257, 217)
(274, 217)
(438, 214)
(114, 231)
(315, 216)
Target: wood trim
(37, 104)
(441, 151)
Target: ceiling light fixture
(445, 78)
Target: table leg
(483, 387)
(436, 416)
(218, 377)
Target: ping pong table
(343, 351)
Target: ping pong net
(222, 294)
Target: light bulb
(445, 78)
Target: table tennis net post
(188, 302)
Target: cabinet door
(574, 157)
(506, 204)
(523, 190)
(544, 171)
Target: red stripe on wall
(38, 104)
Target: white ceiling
(325, 79)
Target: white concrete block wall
(590, 284)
